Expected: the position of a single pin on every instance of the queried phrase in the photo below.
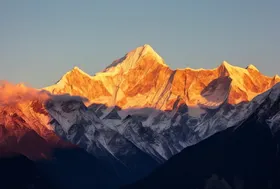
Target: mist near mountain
(116, 127)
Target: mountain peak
(77, 70)
(141, 79)
(146, 48)
(225, 68)
(131, 59)
(75, 73)
(252, 67)
(226, 65)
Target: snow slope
(142, 79)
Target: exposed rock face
(159, 110)
(244, 156)
(47, 128)
(139, 112)
(142, 79)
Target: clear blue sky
(41, 40)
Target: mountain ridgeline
(242, 157)
(138, 121)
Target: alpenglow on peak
(141, 79)
(252, 67)
(132, 58)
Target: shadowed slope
(244, 155)
(142, 79)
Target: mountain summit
(134, 57)
(142, 79)
(140, 114)
(252, 67)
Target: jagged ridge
(142, 109)
(142, 79)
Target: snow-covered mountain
(159, 110)
(135, 114)
(142, 79)
(30, 125)
(169, 132)
(244, 156)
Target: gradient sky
(41, 40)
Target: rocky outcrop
(142, 79)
